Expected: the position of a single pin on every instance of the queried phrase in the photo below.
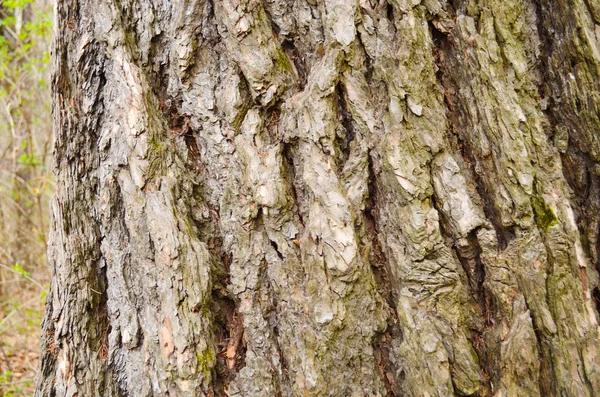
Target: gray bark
(325, 198)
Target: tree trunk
(325, 198)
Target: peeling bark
(325, 198)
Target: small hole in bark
(276, 248)
(390, 12)
(596, 298)
(436, 35)
(288, 44)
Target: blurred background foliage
(25, 186)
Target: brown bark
(330, 198)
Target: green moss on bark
(544, 215)
(206, 361)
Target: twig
(27, 277)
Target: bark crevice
(388, 370)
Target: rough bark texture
(325, 198)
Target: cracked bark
(325, 198)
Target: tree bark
(325, 198)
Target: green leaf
(29, 159)
(19, 269)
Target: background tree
(25, 186)
(325, 198)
